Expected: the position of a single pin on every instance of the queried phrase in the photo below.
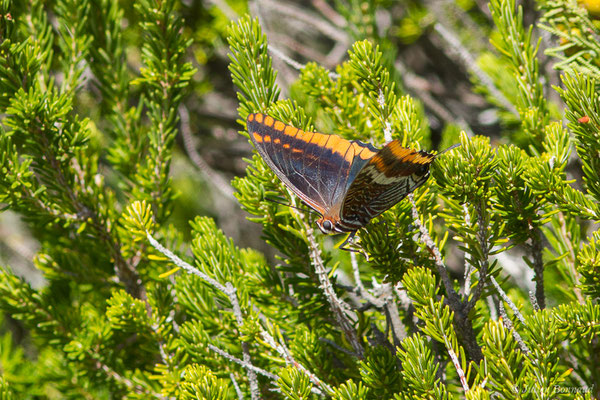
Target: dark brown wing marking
(387, 178)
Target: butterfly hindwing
(387, 178)
(314, 166)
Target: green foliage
(507, 377)
(433, 304)
(379, 374)
(164, 77)
(294, 384)
(200, 383)
(419, 371)
(350, 391)
(516, 44)
(578, 47)
(589, 266)
(251, 67)
(581, 97)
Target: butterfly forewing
(315, 166)
(387, 178)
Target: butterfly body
(346, 181)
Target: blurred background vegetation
(106, 56)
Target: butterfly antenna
(291, 206)
(447, 150)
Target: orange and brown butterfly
(346, 181)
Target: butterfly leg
(349, 242)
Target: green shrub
(133, 308)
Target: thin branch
(238, 391)
(289, 61)
(508, 324)
(360, 289)
(293, 63)
(508, 301)
(244, 364)
(450, 14)
(398, 330)
(339, 308)
(459, 370)
(405, 301)
(304, 50)
(182, 264)
(437, 255)
(230, 291)
(418, 86)
(331, 14)
(289, 359)
(301, 15)
(125, 381)
(468, 267)
(461, 320)
(336, 56)
(390, 306)
(533, 299)
(463, 55)
(536, 249)
(188, 143)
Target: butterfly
(346, 181)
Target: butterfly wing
(387, 178)
(316, 167)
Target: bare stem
(398, 330)
(534, 303)
(462, 54)
(238, 391)
(210, 174)
(338, 307)
(508, 324)
(437, 255)
(289, 359)
(536, 249)
(136, 388)
(360, 289)
(244, 364)
(457, 366)
(508, 301)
